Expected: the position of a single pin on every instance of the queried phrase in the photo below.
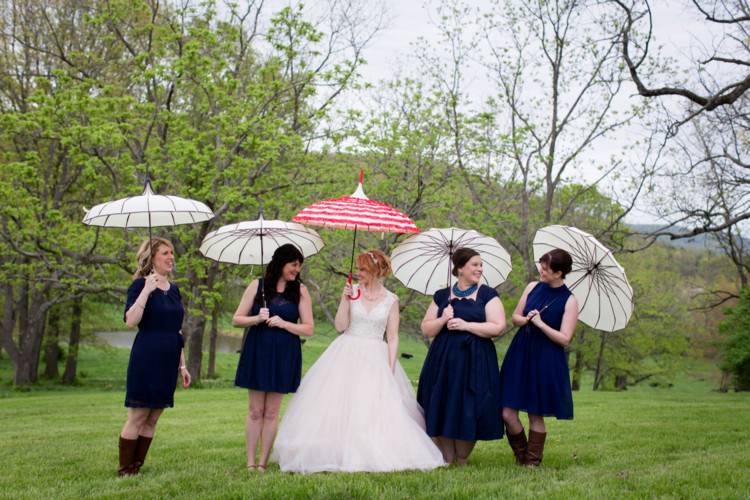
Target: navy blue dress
(155, 355)
(459, 387)
(271, 358)
(535, 376)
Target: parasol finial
(360, 192)
(147, 189)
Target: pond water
(224, 343)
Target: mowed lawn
(55, 442)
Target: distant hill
(700, 242)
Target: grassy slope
(61, 442)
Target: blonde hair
(144, 258)
(375, 262)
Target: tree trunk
(196, 326)
(23, 375)
(724, 383)
(37, 326)
(22, 306)
(30, 311)
(52, 344)
(578, 367)
(530, 266)
(71, 364)
(212, 342)
(30, 333)
(32, 319)
(9, 324)
(319, 300)
(599, 362)
(621, 382)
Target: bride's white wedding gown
(351, 413)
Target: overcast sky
(677, 27)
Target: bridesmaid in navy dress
(535, 376)
(154, 305)
(459, 387)
(271, 360)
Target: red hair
(375, 262)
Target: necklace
(464, 293)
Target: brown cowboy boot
(127, 451)
(141, 449)
(519, 445)
(535, 450)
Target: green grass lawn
(61, 442)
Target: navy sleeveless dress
(155, 355)
(535, 376)
(459, 387)
(271, 358)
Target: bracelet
(183, 367)
(136, 303)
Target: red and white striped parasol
(357, 212)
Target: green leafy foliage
(736, 347)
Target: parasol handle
(546, 306)
(359, 292)
(571, 288)
(351, 262)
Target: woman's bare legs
(270, 424)
(512, 422)
(536, 423)
(447, 447)
(148, 428)
(136, 418)
(254, 424)
(463, 450)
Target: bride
(355, 409)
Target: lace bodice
(370, 324)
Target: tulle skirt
(351, 413)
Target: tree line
(243, 108)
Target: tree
(722, 77)
(558, 88)
(705, 185)
(98, 95)
(402, 137)
(651, 348)
(736, 327)
(49, 121)
(240, 139)
(714, 97)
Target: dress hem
(540, 413)
(150, 407)
(353, 470)
(265, 390)
(468, 439)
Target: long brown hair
(144, 258)
(283, 255)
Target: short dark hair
(557, 260)
(461, 257)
